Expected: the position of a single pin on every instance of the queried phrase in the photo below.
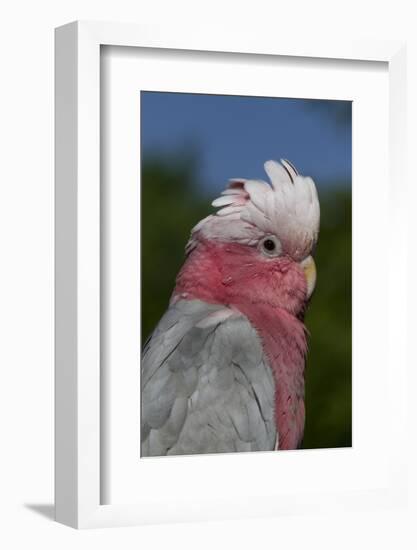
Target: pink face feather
(254, 256)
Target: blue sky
(234, 135)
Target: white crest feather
(250, 209)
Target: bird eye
(270, 246)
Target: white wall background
(26, 272)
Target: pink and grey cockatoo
(224, 369)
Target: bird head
(258, 246)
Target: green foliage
(329, 321)
(170, 207)
(172, 203)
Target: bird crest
(248, 210)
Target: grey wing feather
(206, 387)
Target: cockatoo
(224, 369)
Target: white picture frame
(78, 293)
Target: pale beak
(309, 268)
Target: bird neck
(282, 334)
(284, 343)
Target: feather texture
(251, 209)
(206, 384)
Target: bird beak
(309, 268)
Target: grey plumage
(206, 385)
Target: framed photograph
(225, 208)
